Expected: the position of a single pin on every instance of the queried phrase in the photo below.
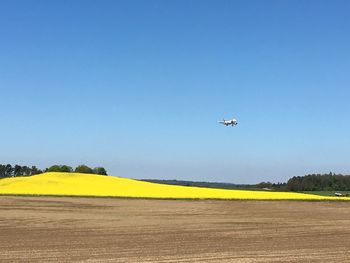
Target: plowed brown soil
(63, 229)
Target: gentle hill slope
(75, 184)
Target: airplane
(231, 122)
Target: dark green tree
(26, 170)
(35, 170)
(100, 170)
(66, 169)
(60, 168)
(2, 171)
(54, 168)
(83, 169)
(8, 170)
(17, 170)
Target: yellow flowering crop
(75, 184)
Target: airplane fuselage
(231, 122)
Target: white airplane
(231, 122)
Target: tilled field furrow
(63, 229)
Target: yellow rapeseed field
(76, 184)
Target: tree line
(310, 182)
(319, 182)
(7, 170)
(11, 171)
(79, 169)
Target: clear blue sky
(138, 87)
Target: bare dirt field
(63, 229)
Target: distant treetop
(100, 170)
(12, 171)
(79, 169)
(83, 169)
(60, 168)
